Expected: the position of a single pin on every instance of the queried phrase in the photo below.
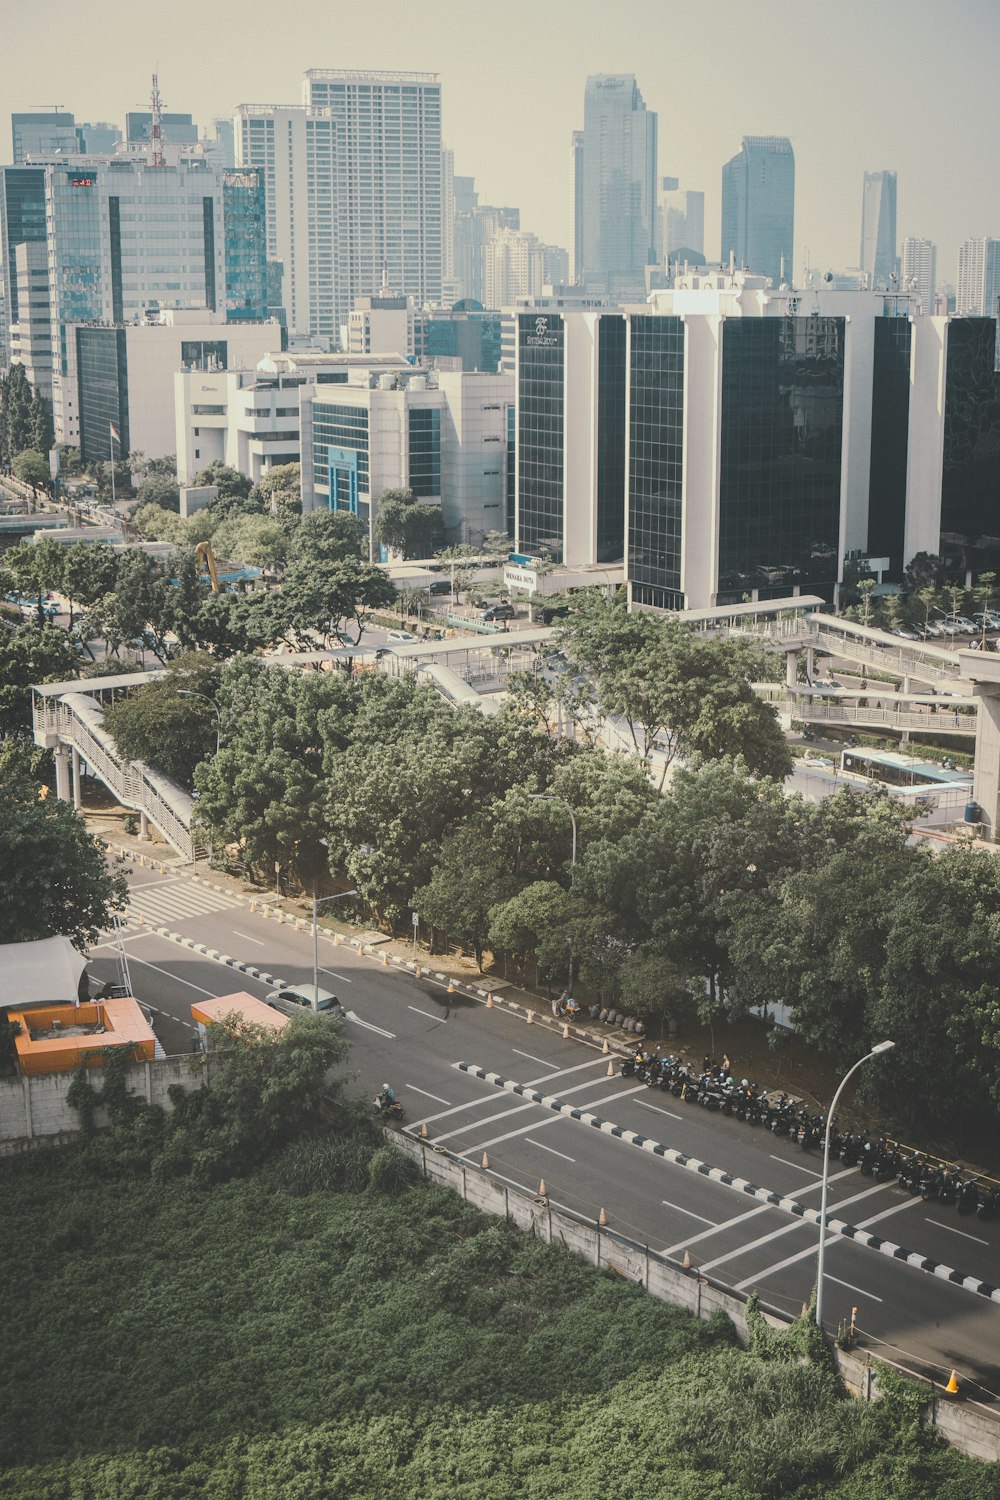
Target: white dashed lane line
(550, 1149)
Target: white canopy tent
(46, 972)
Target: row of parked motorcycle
(714, 1088)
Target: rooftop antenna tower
(155, 130)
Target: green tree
(90, 570)
(329, 536)
(924, 570)
(37, 568)
(279, 489)
(162, 728)
(329, 597)
(258, 541)
(15, 405)
(30, 655)
(408, 525)
(31, 467)
(158, 488)
(54, 876)
(539, 920)
(160, 523)
(40, 418)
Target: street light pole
(875, 1052)
(189, 693)
(546, 797)
(317, 903)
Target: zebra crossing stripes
(175, 900)
(739, 1184)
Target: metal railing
(165, 804)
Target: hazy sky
(857, 85)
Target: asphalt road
(411, 1033)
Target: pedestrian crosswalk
(174, 900)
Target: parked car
(499, 612)
(400, 635)
(440, 586)
(296, 998)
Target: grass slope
(265, 1337)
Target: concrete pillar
(62, 773)
(810, 663)
(143, 825)
(792, 669)
(75, 760)
(986, 782)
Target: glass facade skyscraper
(244, 228)
(541, 435)
(890, 441)
(656, 460)
(879, 261)
(616, 176)
(970, 517)
(758, 207)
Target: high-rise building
(98, 139)
(353, 190)
(683, 221)
(920, 271)
(617, 180)
(180, 129)
(758, 207)
(978, 278)
(576, 160)
(447, 215)
(42, 133)
(517, 264)
(878, 229)
(475, 227)
(121, 236)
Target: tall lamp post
(317, 903)
(546, 797)
(189, 693)
(876, 1051)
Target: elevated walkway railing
(75, 720)
(859, 643)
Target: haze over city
(857, 87)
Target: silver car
(295, 999)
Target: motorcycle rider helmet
(744, 1083)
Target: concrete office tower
(180, 129)
(684, 222)
(618, 180)
(878, 229)
(978, 278)
(447, 215)
(920, 272)
(97, 216)
(353, 189)
(576, 164)
(41, 133)
(758, 207)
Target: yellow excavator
(205, 557)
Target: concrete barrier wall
(972, 1432)
(36, 1111)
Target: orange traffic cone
(542, 1190)
(566, 1032)
(611, 1070)
(451, 986)
(423, 1132)
(385, 960)
(687, 1260)
(602, 1218)
(605, 1049)
(952, 1386)
(486, 1162)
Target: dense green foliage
(408, 525)
(302, 1332)
(54, 876)
(25, 419)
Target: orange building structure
(247, 1007)
(56, 1038)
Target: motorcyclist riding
(385, 1098)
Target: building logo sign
(544, 336)
(525, 579)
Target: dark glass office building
(245, 236)
(22, 222)
(541, 438)
(970, 481)
(102, 387)
(611, 347)
(425, 452)
(890, 439)
(656, 459)
(780, 459)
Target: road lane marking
(852, 1288)
(751, 1214)
(532, 1058)
(660, 1111)
(785, 1162)
(334, 975)
(441, 1019)
(436, 1097)
(147, 965)
(538, 1124)
(248, 939)
(592, 1062)
(787, 1229)
(831, 1239)
(667, 1204)
(368, 1025)
(520, 1109)
(551, 1149)
(958, 1231)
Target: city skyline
(851, 105)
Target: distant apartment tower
(617, 177)
(576, 161)
(353, 189)
(920, 271)
(878, 229)
(475, 226)
(758, 207)
(978, 279)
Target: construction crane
(204, 556)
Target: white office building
(978, 278)
(443, 434)
(249, 418)
(353, 181)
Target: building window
(425, 452)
